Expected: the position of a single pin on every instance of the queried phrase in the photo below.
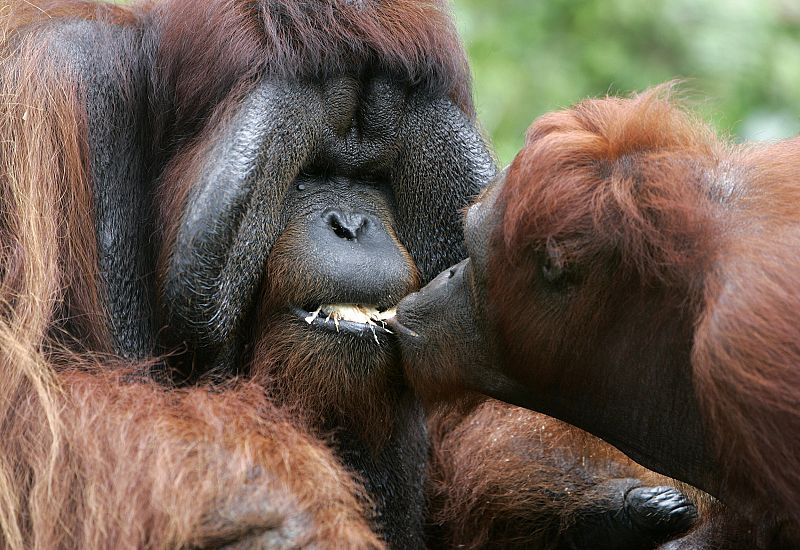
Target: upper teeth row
(351, 312)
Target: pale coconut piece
(388, 314)
(314, 315)
(366, 315)
(355, 312)
(347, 312)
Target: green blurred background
(740, 59)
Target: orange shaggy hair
(680, 209)
(92, 455)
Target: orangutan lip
(330, 318)
(400, 328)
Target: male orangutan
(207, 208)
(638, 278)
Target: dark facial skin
(340, 247)
(240, 203)
(324, 175)
(452, 346)
(385, 173)
(456, 337)
(344, 229)
(605, 337)
(312, 199)
(443, 330)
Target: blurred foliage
(740, 59)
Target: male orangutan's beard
(331, 379)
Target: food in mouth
(358, 319)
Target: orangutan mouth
(349, 318)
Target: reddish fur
(37, 11)
(213, 50)
(288, 363)
(143, 467)
(720, 528)
(90, 458)
(579, 181)
(227, 41)
(507, 477)
(115, 464)
(713, 225)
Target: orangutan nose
(346, 225)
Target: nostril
(339, 230)
(348, 225)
